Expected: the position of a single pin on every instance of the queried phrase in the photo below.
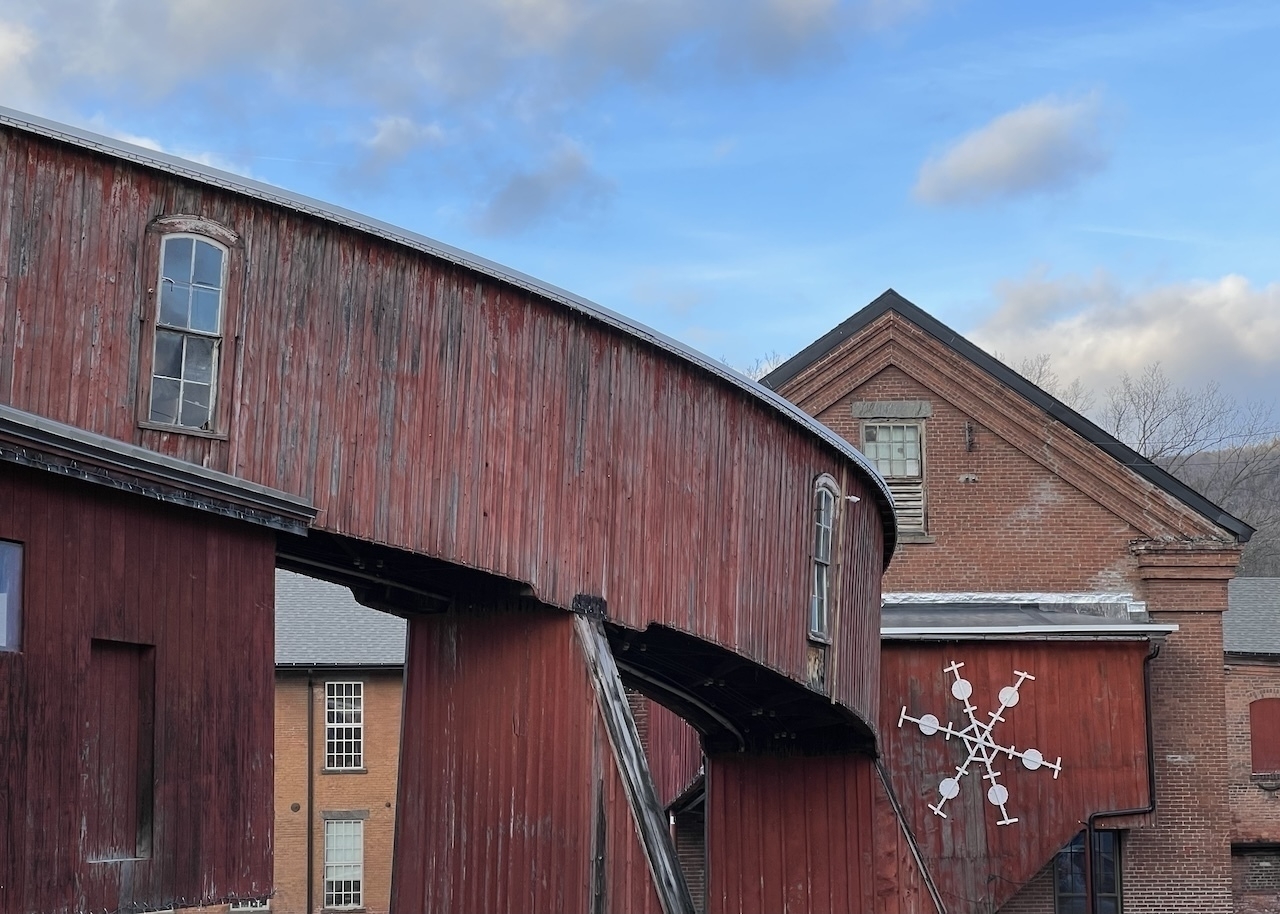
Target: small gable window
(188, 332)
(893, 439)
(1264, 735)
(826, 499)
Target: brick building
(1027, 535)
(1252, 634)
(339, 692)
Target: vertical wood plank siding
(790, 835)
(124, 595)
(510, 798)
(1084, 705)
(425, 406)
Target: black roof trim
(890, 300)
(34, 441)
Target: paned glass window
(343, 863)
(1069, 894)
(188, 332)
(10, 596)
(824, 516)
(344, 726)
(261, 904)
(897, 450)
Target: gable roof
(257, 190)
(891, 301)
(1251, 624)
(320, 624)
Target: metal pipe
(311, 791)
(1090, 829)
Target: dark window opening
(10, 596)
(1069, 893)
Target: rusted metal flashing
(633, 766)
(33, 441)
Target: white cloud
(565, 180)
(395, 136)
(1046, 145)
(1225, 330)
(17, 47)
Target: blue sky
(1097, 181)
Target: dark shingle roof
(1251, 624)
(321, 624)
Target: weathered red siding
(423, 405)
(133, 608)
(790, 835)
(509, 792)
(1085, 705)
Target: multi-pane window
(188, 332)
(824, 515)
(256, 905)
(10, 596)
(896, 449)
(1069, 892)
(344, 726)
(343, 863)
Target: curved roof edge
(889, 300)
(267, 193)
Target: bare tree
(1227, 450)
(760, 366)
(1038, 369)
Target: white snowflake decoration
(980, 744)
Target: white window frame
(343, 863)
(255, 904)
(826, 511)
(188, 336)
(907, 488)
(344, 726)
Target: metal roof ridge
(340, 215)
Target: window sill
(343, 771)
(823, 640)
(915, 537)
(182, 430)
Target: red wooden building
(135, 674)
(560, 501)
(1032, 542)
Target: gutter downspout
(1090, 827)
(311, 791)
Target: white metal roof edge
(204, 174)
(1127, 629)
(1001, 598)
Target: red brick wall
(991, 509)
(374, 791)
(1032, 506)
(1255, 812)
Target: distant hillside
(1246, 482)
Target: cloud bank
(1225, 330)
(490, 87)
(1046, 145)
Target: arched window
(826, 501)
(188, 339)
(1264, 735)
